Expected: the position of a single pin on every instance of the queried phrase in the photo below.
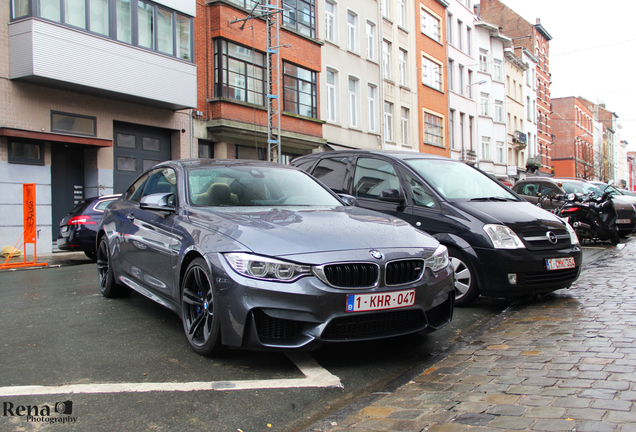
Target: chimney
(538, 21)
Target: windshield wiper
(493, 198)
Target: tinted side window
(548, 189)
(529, 189)
(332, 172)
(134, 192)
(304, 164)
(373, 176)
(422, 197)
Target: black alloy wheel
(107, 284)
(466, 290)
(201, 320)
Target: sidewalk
(56, 259)
(565, 362)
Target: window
(460, 75)
(353, 101)
(330, 21)
(386, 60)
(470, 84)
(529, 108)
(483, 105)
(352, 24)
(496, 70)
(401, 13)
(404, 123)
(300, 15)
(499, 111)
(73, 123)
(460, 31)
(373, 176)
(403, 68)
(206, 150)
(461, 130)
(485, 147)
(155, 28)
(331, 95)
(451, 128)
(451, 74)
(422, 196)
(371, 99)
(370, 41)
(471, 126)
(433, 130)
(483, 60)
(500, 152)
(430, 25)
(388, 121)
(385, 6)
(469, 45)
(431, 73)
(242, 75)
(333, 173)
(26, 153)
(300, 95)
(449, 28)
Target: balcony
(469, 156)
(46, 53)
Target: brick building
(573, 129)
(231, 119)
(432, 82)
(535, 39)
(90, 96)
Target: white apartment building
(398, 58)
(530, 97)
(463, 86)
(491, 94)
(91, 94)
(351, 82)
(516, 115)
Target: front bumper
(308, 313)
(530, 269)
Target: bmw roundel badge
(376, 254)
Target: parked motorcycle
(592, 217)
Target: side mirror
(157, 202)
(391, 195)
(349, 200)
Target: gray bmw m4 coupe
(259, 255)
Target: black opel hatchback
(500, 245)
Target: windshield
(255, 186)
(456, 180)
(576, 187)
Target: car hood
(287, 231)
(515, 214)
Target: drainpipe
(381, 81)
(191, 135)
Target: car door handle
(130, 216)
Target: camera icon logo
(65, 407)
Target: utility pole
(274, 75)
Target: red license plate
(380, 301)
(560, 263)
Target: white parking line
(315, 376)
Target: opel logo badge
(552, 238)
(376, 254)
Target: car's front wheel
(201, 320)
(107, 284)
(466, 290)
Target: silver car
(253, 254)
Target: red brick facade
(573, 149)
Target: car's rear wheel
(466, 290)
(201, 320)
(107, 284)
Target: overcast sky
(592, 52)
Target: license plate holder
(560, 263)
(380, 301)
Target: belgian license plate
(380, 301)
(623, 221)
(560, 263)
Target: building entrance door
(67, 182)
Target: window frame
(352, 31)
(293, 22)
(222, 72)
(388, 121)
(433, 129)
(330, 22)
(23, 160)
(372, 106)
(430, 24)
(386, 59)
(331, 90)
(404, 125)
(370, 39)
(353, 98)
(435, 73)
(403, 67)
(313, 89)
(93, 118)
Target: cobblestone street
(564, 362)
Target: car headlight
(439, 260)
(263, 268)
(503, 237)
(573, 237)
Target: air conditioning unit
(520, 137)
